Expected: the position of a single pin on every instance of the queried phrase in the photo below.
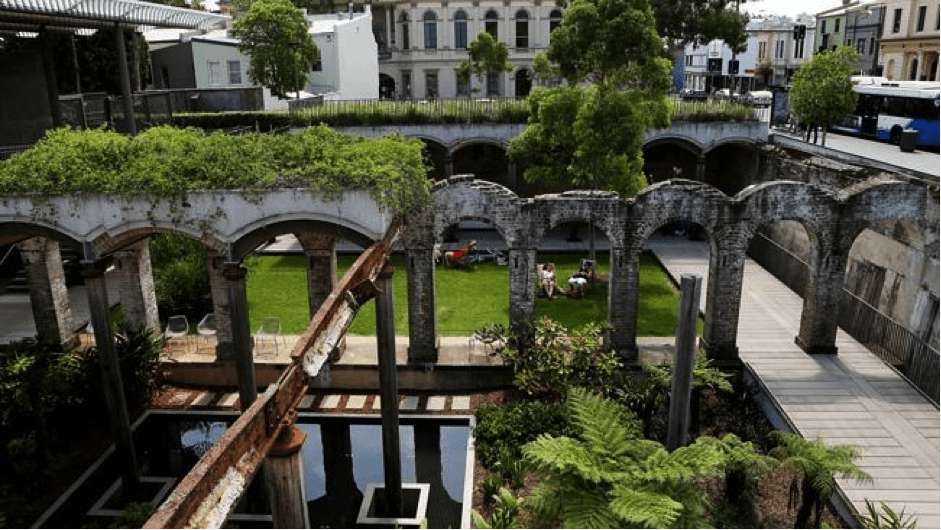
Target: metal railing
(887, 339)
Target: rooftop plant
(169, 162)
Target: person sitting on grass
(547, 277)
(578, 283)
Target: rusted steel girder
(209, 492)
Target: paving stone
(330, 402)
(229, 400)
(204, 399)
(377, 403)
(460, 403)
(436, 403)
(356, 402)
(409, 403)
(306, 402)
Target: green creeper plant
(822, 90)
(610, 478)
(817, 465)
(274, 34)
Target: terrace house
(908, 50)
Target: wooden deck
(849, 398)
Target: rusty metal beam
(209, 492)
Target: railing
(455, 110)
(887, 339)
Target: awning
(29, 15)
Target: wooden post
(389, 391)
(682, 385)
(284, 475)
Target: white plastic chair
(176, 333)
(206, 329)
(266, 339)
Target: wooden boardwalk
(850, 398)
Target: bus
(884, 111)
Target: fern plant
(744, 469)
(504, 514)
(817, 465)
(610, 478)
(886, 518)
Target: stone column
(284, 476)
(522, 263)
(422, 319)
(449, 165)
(218, 288)
(820, 314)
(321, 253)
(136, 287)
(388, 10)
(48, 292)
(94, 274)
(723, 300)
(389, 393)
(241, 334)
(627, 337)
(701, 168)
(621, 338)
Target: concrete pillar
(627, 349)
(449, 165)
(48, 293)
(284, 477)
(49, 71)
(422, 318)
(522, 262)
(218, 288)
(723, 300)
(820, 314)
(701, 168)
(621, 337)
(241, 334)
(124, 80)
(321, 253)
(94, 274)
(511, 176)
(136, 287)
(681, 387)
(389, 392)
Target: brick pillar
(321, 253)
(621, 337)
(627, 348)
(820, 314)
(218, 288)
(701, 168)
(422, 319)
(723, 300)
(449, 165)
(234, 274)
(136, 287)
(48, 293)
(522, 263)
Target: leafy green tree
(817, 465)
(274, 34)
(485, 55)
(610, 478)
(822, 90)
(682, 22)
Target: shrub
(508, 427)
(181, 274)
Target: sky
(789, 7)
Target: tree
(686, 21)
(485, 55)
(274, 34)
(822, 89)
(817, 465)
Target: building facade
(348, 67)
(908, 50)
(421, 44)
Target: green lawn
(467, 299)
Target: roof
(29, 15)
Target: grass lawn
(467, 299)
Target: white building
(348, 67)
(187, 59)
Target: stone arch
(468, 142)
(251, 236)
(663, 161)
(731, 164)
(16, 231)
(463, 198)
(436, 152)
(122, 236)
(914, 209)
(551, 211)
(486, 158)
(675, 200)
(687, 144)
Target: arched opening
(555, 19)
(460, 29)
(486, 161)
(386, 86)
(666, 160)
(404, 22)
(731, 167)
(430, 22)
(436, 158)
(522, 29)
(933, 70)
(913, 70)
(490, 23)
(523, 83)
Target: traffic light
(733, 67)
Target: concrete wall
(357, 59)
(23, 83)
(178, 62)
(211, 64)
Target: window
(872, 45)
(897, 21)
(404, 21)
(799, 48)
(431, 83)
(522, 29)
(462, 88)
(860, 46)
(490, 23)
(460, 29)
(762, 50)
(406, 84)
(823, 26)
(235, 73)
(836, 26)
(922, 13)
(779, 50)
(913, 71)
(215, 73)
(555, 18)
(493, 84)
(318, 66)
(431, 30)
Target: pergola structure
(45, 16)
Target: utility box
(909, 140)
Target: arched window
(522, 29)
(404, 21)
(431, 30)
(460, 29)
(490, 23)
(913, 71)
(555, 18)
